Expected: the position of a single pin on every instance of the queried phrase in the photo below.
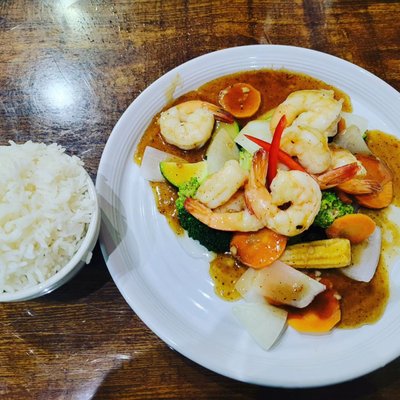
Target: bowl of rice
(49, 219)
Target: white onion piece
(150, 168)
(279, 283)
(257, 128)
(263, 322)
(365, 258)
(247, 287)
(357, 120)
(221, 149)
(352, 140)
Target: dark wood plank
(68, 70)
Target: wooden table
(68, 70)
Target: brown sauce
(361, 303)
(225, 272)
(165, 196)
(274, 86)
(387, 148)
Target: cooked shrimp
(344, 178)
(241, 221)
(292, 203)
(236, 203)
(341, 156)
(360, 186)
(219, 187)
(336, 176)
(309, 145)
(189, 125)
(317, 109)
(356, 184)
(344, 167)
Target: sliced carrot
(377, 200)
(320, 316)
(379, 172)
(355, 227)
(241, 99)
(258, 249)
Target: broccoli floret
(331, 208)
(212, 239)
(188, 189)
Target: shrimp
(336, 176)
(219, 187)
(360, 186)
(292, 203)
(344, 167)
(190, 124)
(341, 156)
(241, 221)
(345, 178)
(309, 145)
(357, 184)
(317, 109)
(236, 203)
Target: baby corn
(321, 254)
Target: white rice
(45, 210)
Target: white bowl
(81, 257)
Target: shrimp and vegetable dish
(273, 173)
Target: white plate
(172, 292)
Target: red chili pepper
(283, 157)
(273, 153)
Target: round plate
(171, 291)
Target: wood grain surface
(68, 70)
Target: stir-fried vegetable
(242, 100)
(365, 258)
(355, 227)
(320, 316)
(264, 322)
(222, 146)
(212, 239)
(177, 173)
(258, 249)
(321, 254)
(331, 208)
(280, 284)
(245, 158)
(378, 172)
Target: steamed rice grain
(45, 210)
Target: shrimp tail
(257, 176)
(343, 178)
(337, 176)
(360, 186)
(199, 211)
(220, 114)
(242, 221)
(260, 167)
(206, 215)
